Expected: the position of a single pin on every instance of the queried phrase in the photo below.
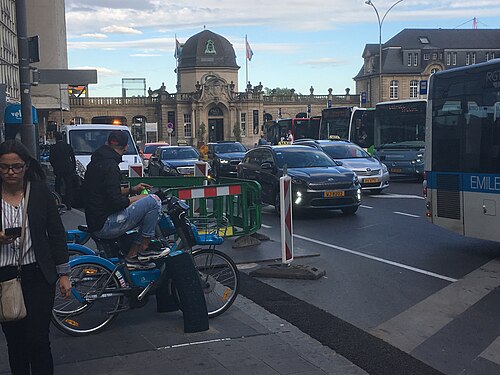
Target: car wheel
(349, 210)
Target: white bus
(462, 161)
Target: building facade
(412, 55)
(208, 104)
(9, 70)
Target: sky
(295, 44)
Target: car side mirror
(339, 163)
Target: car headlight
(384, 168)
(224, 161)
(298, 181)
(420, 158)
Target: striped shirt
(12, 217)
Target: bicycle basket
(211, 225)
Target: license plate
(396, 170)
(330, 194)
(370, 180)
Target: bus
(462, 160)
(111, 120)
(353, 124)
(400, 136)
(277, 130)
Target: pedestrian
(262, 141)
(62, 159)
(289, 137)
(112, 210)
(40, 252)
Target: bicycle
(103, 286)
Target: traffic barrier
(235, 203)
(286, 222)
(136, 170)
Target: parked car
(173, 161)
(224, 156)
(149, 149)
(373, 175)
(317, 180)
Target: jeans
(28, 339)
(143, 213)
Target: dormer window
(424, 40)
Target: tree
(279, 91)
(237, 132)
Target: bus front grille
(448, 196)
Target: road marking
(397, 196)
(414, 326)
(404, 214)
(363, 206)
(265, 226)
(390, 262)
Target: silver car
(373, 175)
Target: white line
(265, 226)
(404, 214)
(363, 206)
(410, 268)
(192, 343)
(396, 196)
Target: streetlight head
(368, 2)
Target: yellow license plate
(331, 194)
(396, 170)
(370, 180)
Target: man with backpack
(62, 159)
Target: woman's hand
(64, 286)
(6, 240)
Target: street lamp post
(380, 23)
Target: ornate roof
(207, 49)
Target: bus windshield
(400, 125)
(335, 122)
(362, 130)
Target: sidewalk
(245, 340)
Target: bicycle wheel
(93, 303)
(219, 278)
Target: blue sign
(363, 97)
(423, 87)
(308, 108)
(13, 114)
(329, 103)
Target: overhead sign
(13, 114)
(75, 77)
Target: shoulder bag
(12, 305)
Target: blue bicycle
(103, 286)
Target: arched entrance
(215, 124)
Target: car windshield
(85, 142)
(226, 148)
(179, 154)
(345, 151)
(150, 149)
(303, 158)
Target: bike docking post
(200, 170)
(286, 270)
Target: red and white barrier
(135, 170)
(209, 192)
(201, 169)
(286, 219)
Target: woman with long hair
(42, 256)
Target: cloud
(323, 61)
(94, 35)
(145, 55)
(113, 29)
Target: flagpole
(246, 60)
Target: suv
(224, 157)
(173, 161)
(317, 180)
(373, 175)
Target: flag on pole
(177, 51)
(249, 51)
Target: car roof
(170, 147)
(283, 147)
(156, 143)
(219, 142)
(324, 142)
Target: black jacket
(101, 187)
(47, 231)
(62, 158)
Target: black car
(224, 157)
(173, 161)
(317, 180)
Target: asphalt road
(427, 291)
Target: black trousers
(28, 339)
(67, 194)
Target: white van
(86, 138)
